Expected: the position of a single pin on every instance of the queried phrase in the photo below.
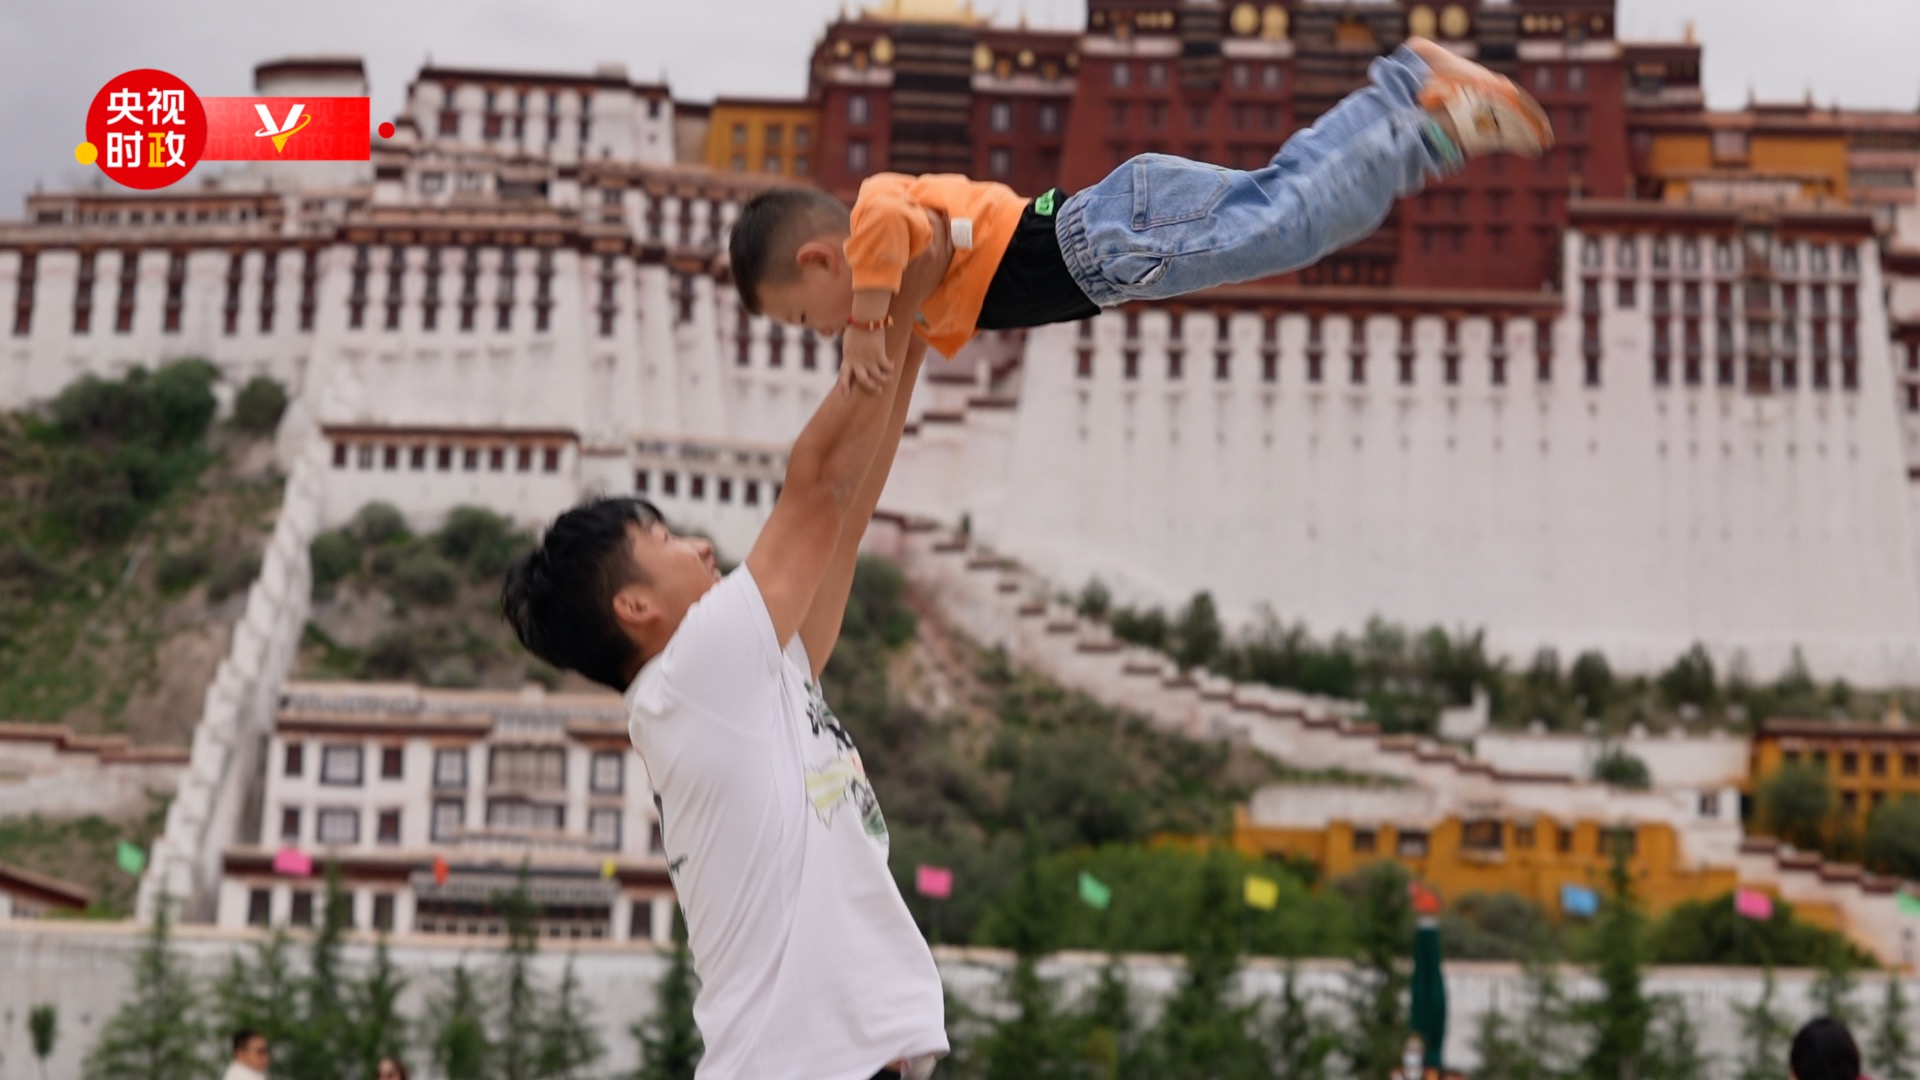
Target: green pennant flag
(1093, 892)
(1907, 903)
(132, 859)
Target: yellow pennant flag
(1262, 893)
(607, 869)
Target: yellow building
(1530, 856)
(763, 135)
(1762, 154)
(1866, 764)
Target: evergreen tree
(1203, 1032)
(460, 1045)
(314, 1047)
(157, 1034)
(1109, 1023)
(1675, 1053)
(669, 1041)
(1833, 991)
(1765, 1031)
(261, 993)
(568, 1041)
(1303, 1042)
(1377, 1024)
(1533, 1044)
(43, 1025)
(1622, 1017)
(1035, 1041)
(1891, 1050)
(517, 1046)
(377, 1028)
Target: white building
(387, 783)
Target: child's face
(821, 298)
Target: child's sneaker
(1489, 114)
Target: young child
(1156, 227)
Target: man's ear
(635, 607)
(824, 254)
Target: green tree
(1690, 680)
(261, 992)
(1675, 1053)
(1712, 932)
(1834, 989)
(1198, 634)
(1036, 1040)
(259, 405)
(314, 1049)
(670, 1045)
(1302, 1041)
(1203, 1031)
(569, 1043)
(1890, 1053)
(377, 524)
(1622, 1016)
(1530, 1043)
(1112, 1032)
(1764, 1030)
(1376, 994)
(1592, 680)
(1795, 803)
(1893, 837)
(43, 1025)
(1496, 926)
(481, 540)
(157, 1033)
(1095, 599)
(1622, 770)
(516, 1047)
(461, 1047)
(335, 555)
(378, 1029)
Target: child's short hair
(770, 230)
(559, 597)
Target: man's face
(254, 1054)
(678, 570)
(820, 298)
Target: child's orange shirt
(890, 227)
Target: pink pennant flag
(293, 862)
(935, 882)
(1752, 905)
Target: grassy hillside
(130, 527)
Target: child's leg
(1163, 226)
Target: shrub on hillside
(479, 539)
(177, 571)
(421, 576)
(379, 523)
(232, 576)
(260, 404)
(335, 555)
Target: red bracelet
(877, 324)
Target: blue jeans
(1161, 226)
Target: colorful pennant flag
(1752, 905)
(293, 862)
(1425, 901)
(1262, 893)
(934, 882)
(1907, 903)
(131, 858)
(1580, 901)
(1093, 892)
(440, 870)
(607, 869)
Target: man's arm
(820, 630)
(827, 467)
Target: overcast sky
(55, 56)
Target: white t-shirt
(810, 966)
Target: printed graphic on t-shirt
(839, 779)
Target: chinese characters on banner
(147, 129)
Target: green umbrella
(1429, 1013)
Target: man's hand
(863, 360)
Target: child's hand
(863, 360)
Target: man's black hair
(559, 596)
(770, 230)
(242, 1037)
(1824, 1050)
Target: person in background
(390, 1069)
(1824, 1050)
(250, 1056)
